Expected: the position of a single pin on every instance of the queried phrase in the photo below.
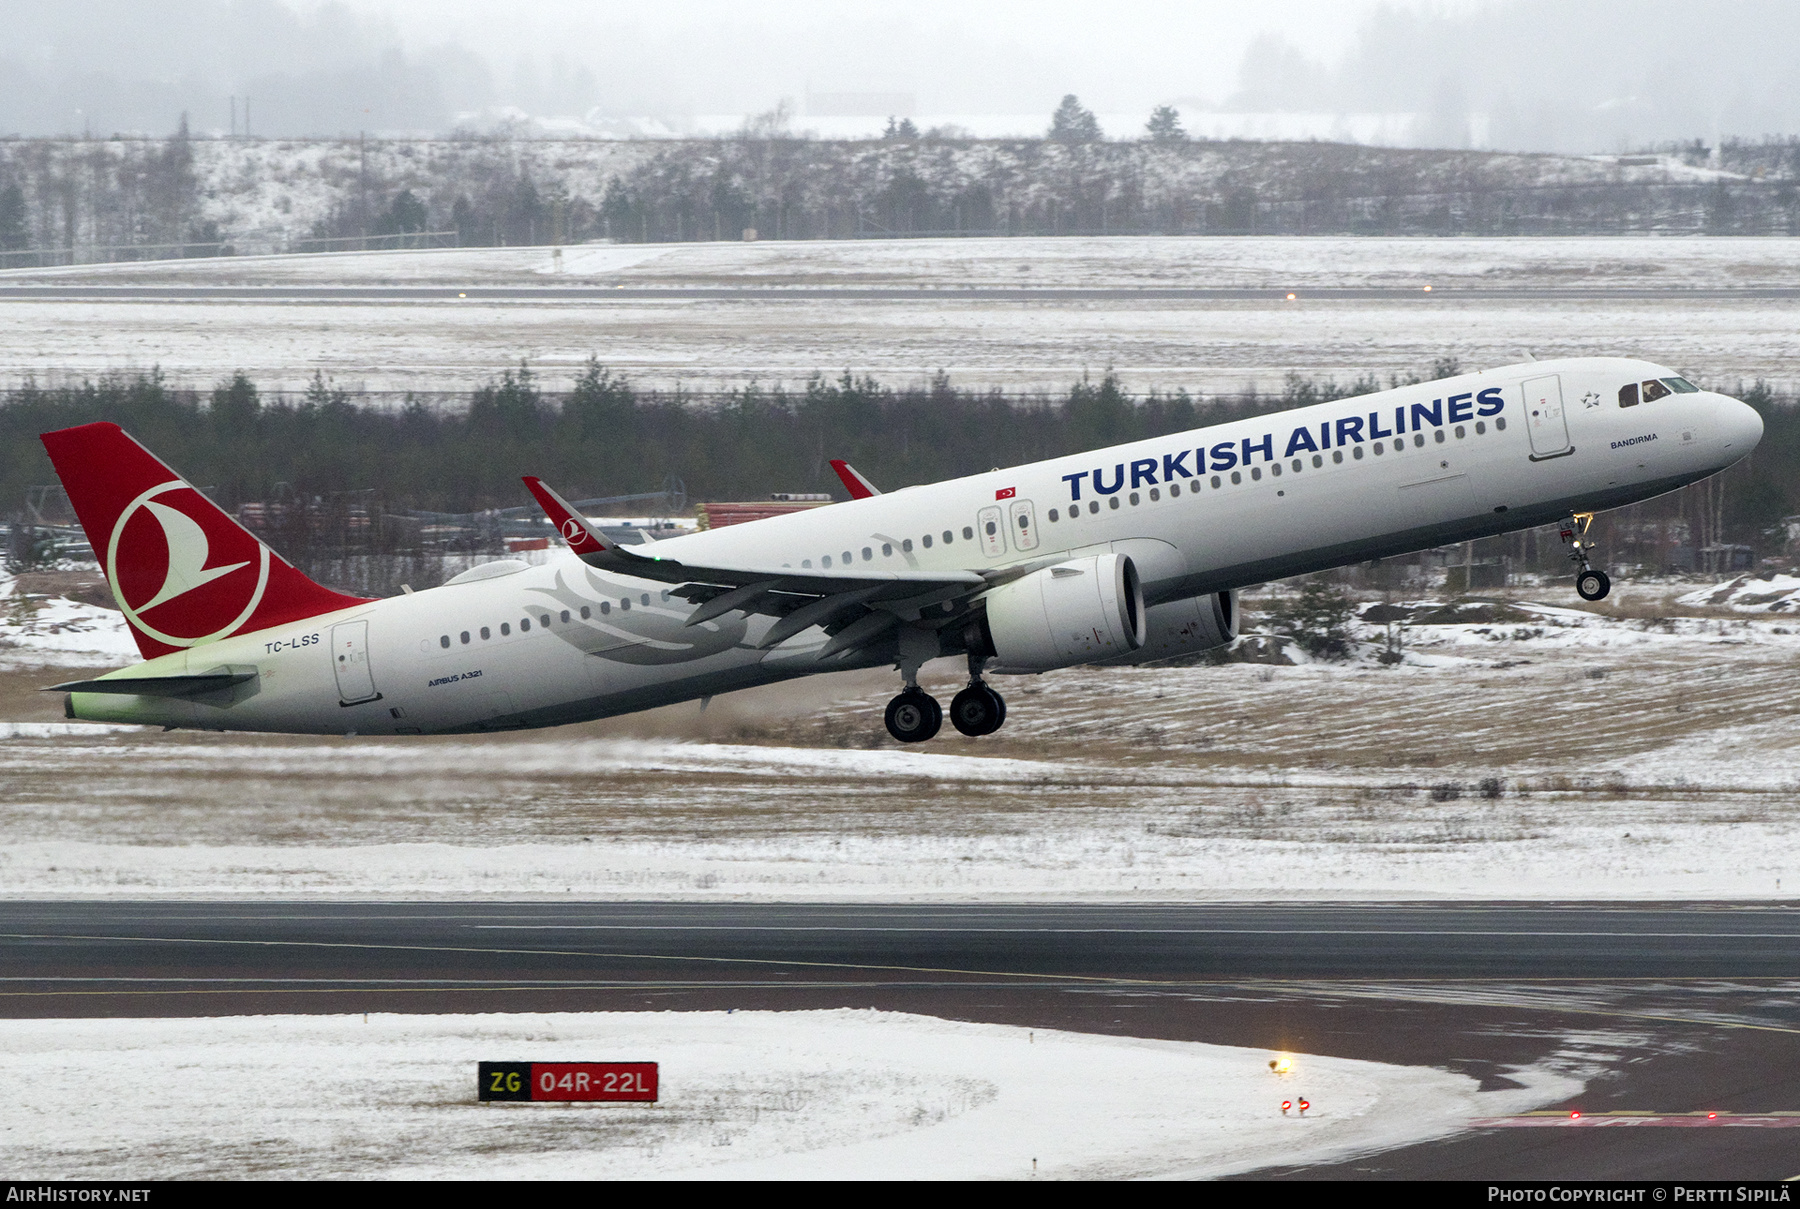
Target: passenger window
(1052, 516)
(1113, 503)
(1438, 436)
(484, 634)
(1134, 499)
(825, 561)
(565, 616)
(524, 625)
(606, 606)
(1256, 473)
(505, 630)
(906, 545)
(1499, 423)
(1155, 495)
(847, 559)
(1297, 465)
(1093, 506)
(444, 642)
(1174, 491)
(646, 599)
(1237, 476)
(868, 556)
(465, 637)
(586, 613)
(1654, 390)
(926, 541)
(1459, 432)
(949, 537)
(1480, 427)
(1356, 451)
(887, 549)
(1628, 395)
(625, 604)
(1318, 460)
(1337, 455)
(1418, 440)
(968, 534)
(1215, 482)
(992, 528)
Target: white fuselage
(1203, 511)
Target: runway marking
(1702, 1120)
(1125, 931)
(1076, 980)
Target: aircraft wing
(801, 599)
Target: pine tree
(14, 234)
(1164, 125)
(1073, 124)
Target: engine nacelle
(1186, 627)
(1080, 611)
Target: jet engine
(1080, 611)
(1185, 627)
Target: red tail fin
(183, 572)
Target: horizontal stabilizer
(157, 686)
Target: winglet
(858, 487)
(581, 536)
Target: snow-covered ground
(1522, 749)
(1246, 262)
(1749, 594)
(763, 1095)
(452, 344)
(54, 631)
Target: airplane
(1118, 556)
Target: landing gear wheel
(1592, 585)
(977, 710)
(914, 716)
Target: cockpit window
(1654, 390)
(1681, 386)
(1628, 395)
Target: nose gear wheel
(1590, 583)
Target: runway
(1672, 1009)
(933, 294)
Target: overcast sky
(1580, 75)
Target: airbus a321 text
(1123, 555)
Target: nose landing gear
(1590, 583)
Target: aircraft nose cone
(1740, 426)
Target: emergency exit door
(350, 661)
(1544, 418)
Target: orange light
(1428, 289)
(1290, 297)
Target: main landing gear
(1590, 583)
(915, 716)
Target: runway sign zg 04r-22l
(566, 1081)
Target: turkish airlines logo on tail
(183, 572)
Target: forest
(352, 475)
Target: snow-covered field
(744, 1095)
(453, 344)
(1522, 749)
(1243, 262)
